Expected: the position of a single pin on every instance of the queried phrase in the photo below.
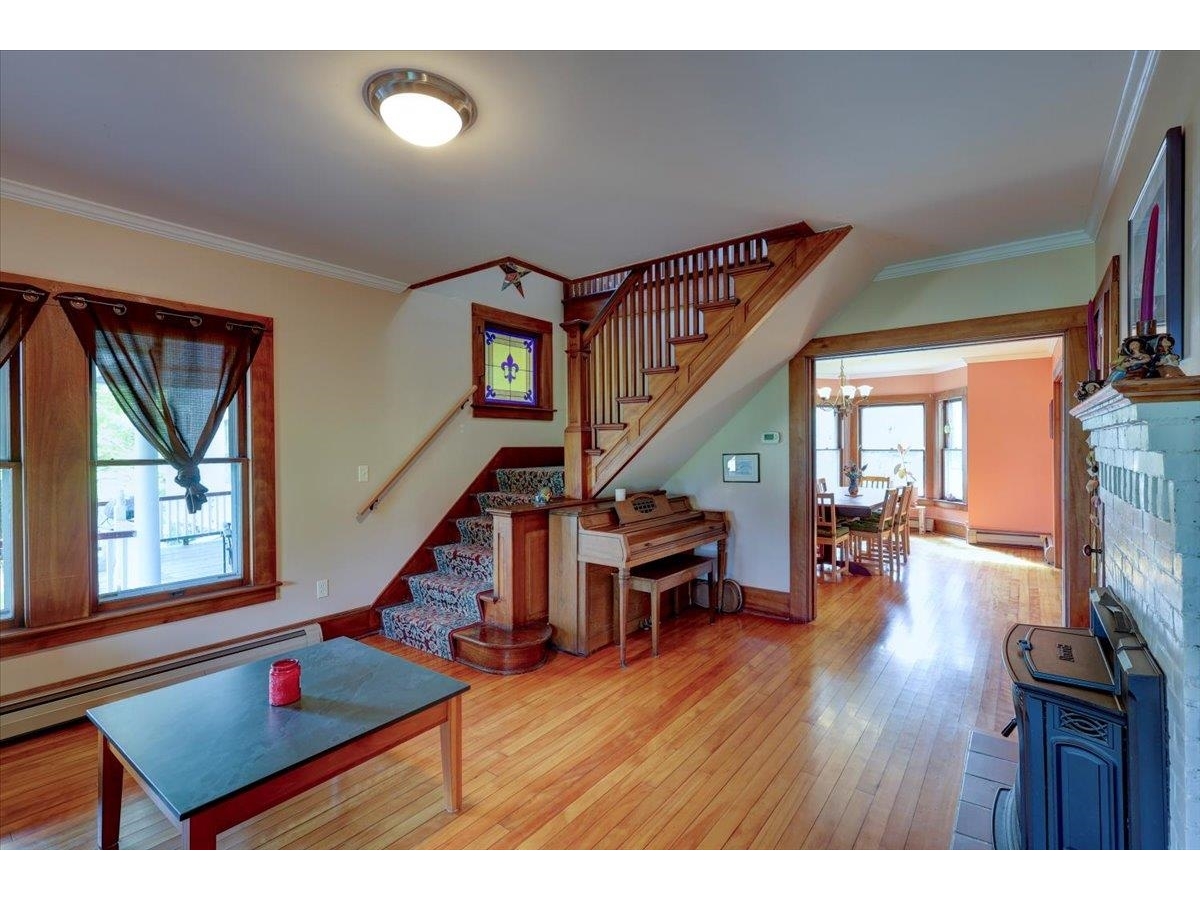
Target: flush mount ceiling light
(420, 107)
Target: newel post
(578, 435)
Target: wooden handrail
(784, 232)
(613, 303)
(411, 458)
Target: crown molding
(112, 215)
(1133, 98)
(1010, 250)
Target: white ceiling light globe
(420, 119)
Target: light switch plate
(362, 473)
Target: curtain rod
(159, 313)
(25, 291)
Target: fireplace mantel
(1131, 391)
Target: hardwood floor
(750, 733)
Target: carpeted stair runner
(444, 600)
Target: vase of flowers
(853, 473)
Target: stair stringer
(793, 321)
(759, 293)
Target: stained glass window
(509, 365)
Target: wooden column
(521, 557)
(803, 579)
(577, 436)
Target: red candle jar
(284, 685)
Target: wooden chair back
(822, 487)
(891, 501)
(826, 518)
(875, 481)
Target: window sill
(16, 641)
(487, 411)
(945, 504)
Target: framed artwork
(1155, 245)
(1103, 325)
(739, 466)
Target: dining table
(865, 502)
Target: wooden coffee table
(212, 752)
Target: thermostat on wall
(770, 437)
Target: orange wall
(1009, 451)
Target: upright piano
(589, 541)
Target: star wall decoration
(512, 277)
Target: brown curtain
(173, 373)
(19, 306)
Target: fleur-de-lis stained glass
(510, 360)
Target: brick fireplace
(1146, 439)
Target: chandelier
(848, 396)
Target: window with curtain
(146, 538)
(827, 441)
(954, 473)
(883, 429)
(178, 511)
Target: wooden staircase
(642, 340)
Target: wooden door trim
(1068, 323)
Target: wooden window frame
(940, 399)
(60, 604)
(542, 333)
(933, 438)
(13, 464)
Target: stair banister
(459, 405)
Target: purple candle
(1148, 267)
(1091, 314)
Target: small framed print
(739, 466)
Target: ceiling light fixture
(420, 107)
(847, 398)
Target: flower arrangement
(854, 471)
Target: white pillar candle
(619, 493)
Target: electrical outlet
(322, 588)
(362, 473)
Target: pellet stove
(1091, 724)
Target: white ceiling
(939, 359)
(579, 161)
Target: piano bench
(663, 575)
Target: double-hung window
(891, 433)
(954, 473)
(827, 440)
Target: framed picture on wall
(739, 466)
(1155, 245)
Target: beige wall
(361, 376)
(1174, 99)
(1040, 281)
(758, 548)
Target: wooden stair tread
(660, 370)
(610, 426)
(688, 339)
(593, 451)
(641, 398)
(746, 269)
(730, 303)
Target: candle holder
(283, 686)
(1089, 385)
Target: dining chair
(822, 487)
(875, 532)
(900, 527)
(875, 481)
(831, 534)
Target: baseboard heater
(1016, 538)
(36, 712)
